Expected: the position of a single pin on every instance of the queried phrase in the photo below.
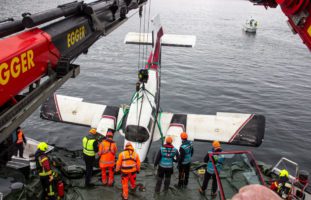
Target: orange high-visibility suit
(129, 164)
(107, 151)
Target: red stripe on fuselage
(241, 127)
(178, 125)
(57, 108)
(154, 58)
(110, 117)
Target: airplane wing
(230, 128)
(73, 110)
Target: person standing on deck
(20, 140)
(90, 148)
(218, 159)
(45, 172)
(129, 164)
(186, 152)
(165, 158)
(107, 152)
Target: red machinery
(298, 13)
(36, 62)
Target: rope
(138, 62)
(160, 127)
(149, 11)
(156, 120)
(144, 46)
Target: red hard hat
(184, 135)
(109, 134)
(129, 146)
(169, 140)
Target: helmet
(283, 173)
(109, 134)
(216, 144)
(42, 146)
(184, 135)
(92, 131)
(169, 140)
(129, 146)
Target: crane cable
(142, 57)
(148, 24)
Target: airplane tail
(157, 39)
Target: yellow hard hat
(283, 173)
(43, 146)
(92, 131)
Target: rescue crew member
(165, 158)
(129, 164)
(20, 140)
(107, 152)
(45, 172)
(186, 152)
(218, 160)
(280, 186)
(90, 148)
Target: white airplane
(141, 122)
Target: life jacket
(130, 163)
(219, 159)
(19, 137)
(187, 147)
(167, 156)
(107, 152)
(88, 148)
(40, 158)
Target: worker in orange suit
(20, 140)
(107, 152)
(129, 164)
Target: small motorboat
(250, 26)
(29, 151)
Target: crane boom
(38, 60)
